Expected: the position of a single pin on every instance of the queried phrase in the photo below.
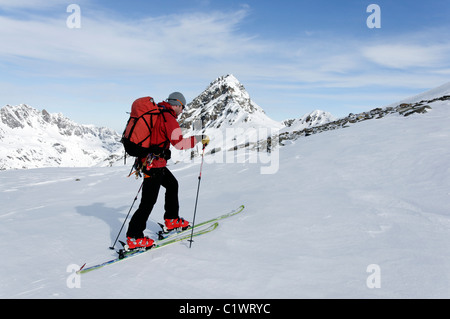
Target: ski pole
(135, 199)
(196, 198)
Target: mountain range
(31, 138)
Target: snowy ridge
(433, 94)
(31, 138)
(419, 104)
(315, 118)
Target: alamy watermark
(374, 279)
(374, 20)
(74, 279)
(238, 145)
(74, 19)
(251, 146)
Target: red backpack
(136, 137)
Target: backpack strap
(163, 109)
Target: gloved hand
(203, 138)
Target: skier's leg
(149, 197)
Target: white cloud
(164, 44)
(209, 43)
(403, 56)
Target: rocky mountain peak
(224, 103)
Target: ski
(162, 235)
(166, 239)
(158, 244)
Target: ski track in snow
(374, 193)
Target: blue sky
(292, 56)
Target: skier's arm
(176, 136)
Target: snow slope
(376, 193)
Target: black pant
(158, 177)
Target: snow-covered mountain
(31, 138)
(226, 113)
(223, 104)
(315, 118)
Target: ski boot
(138, 243)
(175, 224)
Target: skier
(165, 132)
